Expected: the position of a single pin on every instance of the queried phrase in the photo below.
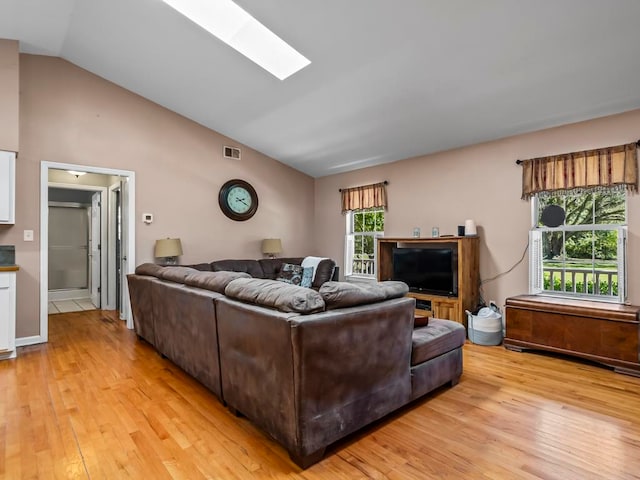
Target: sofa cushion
(322, 269)
(252, 267)
(271, 267)
(347, 294)
(203, 267)
(440, 336)
(215, 281)
(149, 269)
(393, 289)
(275, 294)
(176, 274)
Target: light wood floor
(97, 403)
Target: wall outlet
(28, 235)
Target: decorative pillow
(214, 281)
(290, 273)
(307, 277)
(275, 294)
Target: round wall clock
(238, 200)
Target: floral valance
(366, 196)
(612, 167)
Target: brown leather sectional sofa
(309, 366)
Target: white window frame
(536, 270)
(350, 247)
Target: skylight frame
(240, 30)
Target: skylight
(235, 27)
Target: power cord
(482, 282)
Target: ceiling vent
(231, 152)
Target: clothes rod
(520, 162)
(386, 182)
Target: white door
(7, 187)
(95, 249)
(125, 307)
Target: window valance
(612, 167)
(365, 196)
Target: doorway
(126, 260)
(77, 230)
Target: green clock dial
(238, 200)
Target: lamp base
(170, 261)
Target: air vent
(231, 152)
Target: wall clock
(238, 200)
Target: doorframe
(103, 232)
(111, 287)
(45, 166)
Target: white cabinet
(7, 315)
(7, 187)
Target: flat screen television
(431, 270)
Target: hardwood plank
(95, 402)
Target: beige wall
(9, 94)
(68, 115)
(483, 183)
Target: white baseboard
(24, 341)
(72, 294)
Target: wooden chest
(602, 332)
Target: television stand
(441, 306)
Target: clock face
(238, 200)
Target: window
(363, 226)
(585, 255)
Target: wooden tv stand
(440, 306)
(608, 333)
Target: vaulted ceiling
(389, 79)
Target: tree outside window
(365, 225)
(584, 255)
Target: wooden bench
(608, 333)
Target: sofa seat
(436, 356)
(434, 339)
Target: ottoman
(436, 355)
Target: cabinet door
(7, 187)
(446, 311)
(7, 312)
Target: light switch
(28, 235)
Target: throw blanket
(313, 263)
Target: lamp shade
(168, 247)
(271, 246)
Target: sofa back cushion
(346, 294)
(271, 267)
(176, 274)
(149, 269)
(323, 269)
(252, 267)
(274, 294)
(203, 267)
(214, 281)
